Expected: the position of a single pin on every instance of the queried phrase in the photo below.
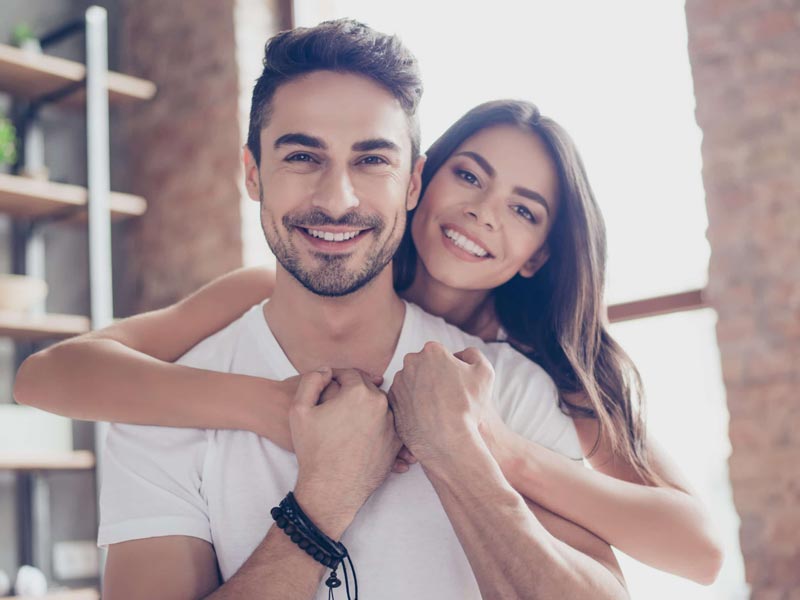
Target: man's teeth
(332, 237)
(464, 243)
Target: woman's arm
(664, 527)
(124, 372)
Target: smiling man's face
(335, 180)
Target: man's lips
(332, 238)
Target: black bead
(303, 543)
(333, 581)
(275, 512)
(296, 537)
(311, 550)
(281, 521)
(290, 529)
(319, 556)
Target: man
(332, 157)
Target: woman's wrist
(262, 407)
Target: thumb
(311, 386)
(469, 355)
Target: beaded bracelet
(302, 531)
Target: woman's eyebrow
(484, 164)
(521, 191)
(531, 195)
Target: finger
(348, 377)
(469, 355)
(400, 466)
(407, 456)
(311, 386)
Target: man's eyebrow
(299, 139)
(520, 191)
(375, 144)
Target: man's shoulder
(216, 352)
(503, 356)
(436, 329)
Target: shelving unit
(22, 197)
(35, 80)
(77, 460)
(79, 594)
(32, 76)
(22, 326)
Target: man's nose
(335, 194)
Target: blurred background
(688, 119)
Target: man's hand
(440, 400)
(345, 446)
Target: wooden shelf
(76, 594)
(79, 460)
(32, 75)
(26, 197)
(21, 326)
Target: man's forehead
(341, 109)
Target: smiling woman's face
(488, 210)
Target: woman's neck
(469, 310)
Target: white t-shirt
(219, 485)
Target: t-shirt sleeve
(152, 477)
(151, 484)
(527, 400)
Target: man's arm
(518, 550)
(331, 488)
(439, 401)
(186, 567)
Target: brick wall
(745, 59)
(183, 149)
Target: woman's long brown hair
(557, 317)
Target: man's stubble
(332, 278)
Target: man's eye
(524, 212)
(300, 157)
(374, 160)
(467, 176)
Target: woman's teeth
(464, 243)
(332, 237)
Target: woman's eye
(524, 212)
(467, 176)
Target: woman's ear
(535, 262)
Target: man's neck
(358, 330)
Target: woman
(506, 243)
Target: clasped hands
(348, 433)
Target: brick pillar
(745, 59)
(183, 148)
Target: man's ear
(415, 185)
(252, 179)
(535, 262)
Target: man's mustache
(317, 218)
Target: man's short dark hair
(344, 46)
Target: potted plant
(23, 37)
(8, 145)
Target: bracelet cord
(301, 530)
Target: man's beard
(331, 278)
